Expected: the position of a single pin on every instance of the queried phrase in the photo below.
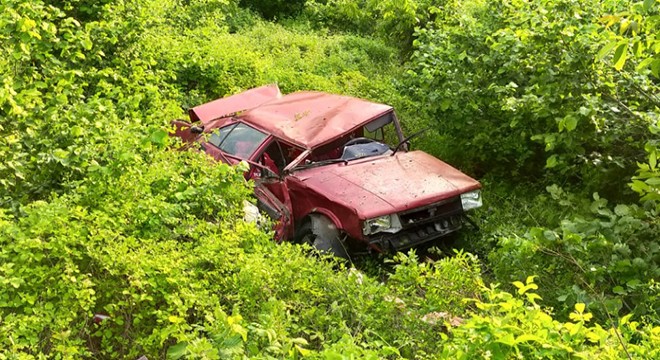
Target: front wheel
(323, 236)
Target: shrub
(606, 259)
(509, 326)
(271, 9)
(516, 88)
(114, 245)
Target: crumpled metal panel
(311, 119)
(235, 103)
(388, 184)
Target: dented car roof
(308, 119)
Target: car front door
(278, 209)
(270, 188)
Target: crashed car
(333, 171)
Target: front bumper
(421, 226)
(416, 236)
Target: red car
(333, 171)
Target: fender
(317, 212)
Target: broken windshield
(373, 139)
(237, 139)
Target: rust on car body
(328, 169)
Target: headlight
(387, 223)
(471, 200)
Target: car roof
(308, 118)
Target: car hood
(388, 184)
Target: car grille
(428, 214)
(416, 235)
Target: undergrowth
(114, 245)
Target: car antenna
(408, 139)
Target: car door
(278, 209)
(271, 190)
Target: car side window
(278, 155)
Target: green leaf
(87, 44)
(177, 351)
(622, 210)
(593, 337)
(639, 186)
(606, 50)
(390, 350)
(625, 23)
(507, 339)
(232, 341)
(655, 67)
(25, 48)
(584, 111)
(550, 235)
(303, 351)
(654, 181)
(532, 297)
(648, 4)
(159, 137)
(624, 320)
(551, 162)
(528, 337)
(518, 284)
(619, 290)
(644, 64)
(77, 131)
(571, 123)
(300, 341)
(620, 56)
(653, 159)
(331, 355)
(175, 319)
(445, 104)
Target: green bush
(99, 214)
(516, 88)
(509, 326)
(271, 9)
(204, 64)
(156, 247)
(394, 21)
(607, 259)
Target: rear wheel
(320, 233)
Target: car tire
(326, 241)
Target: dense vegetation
(553, 104)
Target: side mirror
(197, 129)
